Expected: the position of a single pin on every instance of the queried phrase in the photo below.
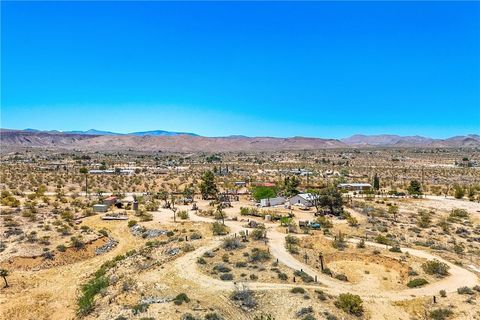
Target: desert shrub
(465, 290)
(339, 242)
(77, 242)
(417, 282)
(327, 271)
(240, 264)
(435, 267)
(361, 244)
(89, 290)
(209, 254)
(195, 236)
(232, 244)
(226, 276)
(443, 293)
(382, 239)
(304, 311)
(201, 260)
(329, 316)
(297, 290)
(350, 303)
(187, 247)
(259, 255)
(222, 268)
(213, 316)
(457, 214)
(291, 240)
(476, 288)
(103, 232)
(424, 218)
(341, 277)
(61, 248)
(395, 249)
(183, 214)
(257, 233)
(304, 276)
(219, 229)
(244, 297)
(282, 276)
(140, 308)
(321, 295)
(181, 298)
(440, 314)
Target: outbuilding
(270, 202)
(355, 186)
(100, 208)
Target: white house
(305, 199)
(270, 202)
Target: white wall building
(270, 202)
(303, 199)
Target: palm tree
(4, 275)
(84, 171)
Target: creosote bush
(418, 282)
(350, 303)
(435, 267)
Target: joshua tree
(4, 275)
(84, 171)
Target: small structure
(303, 199)
(110, 201)
(355, 186)
(270, 202)
(100, 208)
(240, 183)
(109, 171)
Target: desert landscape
(354, 233)
(239, 160)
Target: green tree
(260, 192)
(415, 188)
(208, 188)
(290, 186)
(331, 198)
(188, 192)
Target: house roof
(307, 196)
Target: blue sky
(324, 69)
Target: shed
(270, 202)
(100, 208)
(109, 201)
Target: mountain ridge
(160, 140)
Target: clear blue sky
(324, 69)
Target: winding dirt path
(187, 268)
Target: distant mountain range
(109, 133)
(160, 140)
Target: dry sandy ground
(52, 292)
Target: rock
(109, 245)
